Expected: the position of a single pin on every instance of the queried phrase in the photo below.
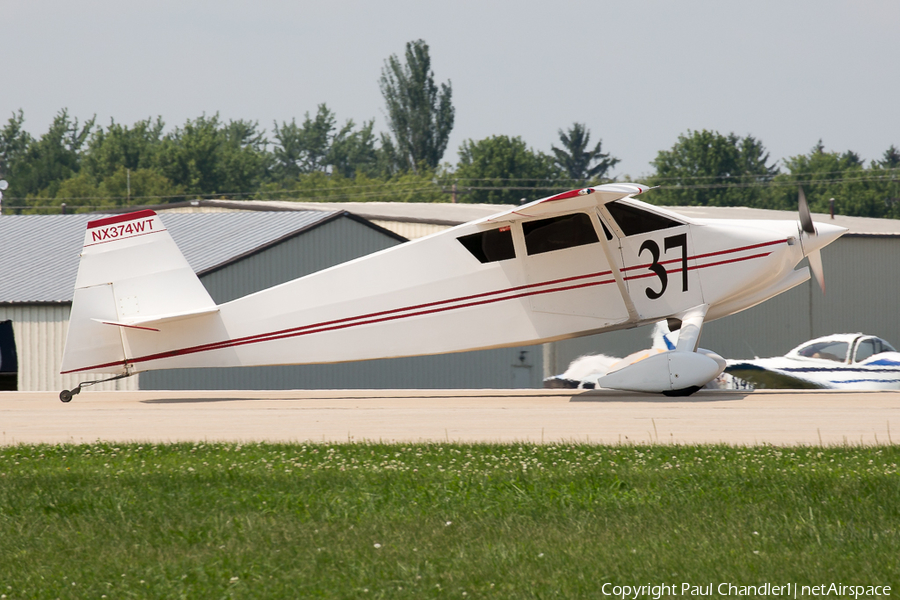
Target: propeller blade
(806, 222)
(815, 265)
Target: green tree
(14, 142)
(353, 151)
(706, 168)
(83, 192)
(503, 170)
(140, 186)
(419, 116)
(857, 190)
(245, 157)
(288, 151)
(53, 158)
(119, 146)
(79, 193)
(577, 160)
(890, 159)
(319, 186)
(210, 158)
(315, 146)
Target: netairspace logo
(786, 590)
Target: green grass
(439, 520)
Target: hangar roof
(39, 253)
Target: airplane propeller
(808, 227)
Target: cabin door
(658, 262)
(567, 271)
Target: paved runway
(771, 417)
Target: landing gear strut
(66, 395)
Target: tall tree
(503, 170)
(576, 159)
(419, 116)
(54, 157)
(14, 141)
(706, 168)
(316, 135)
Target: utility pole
(453, 192)
(128, 186)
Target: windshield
(831, 350)
(870, 347)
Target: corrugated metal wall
(40, 332)
(334, 242)
(504, 368)
(863, 293)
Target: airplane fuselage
(490, 283)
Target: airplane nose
(825, 234)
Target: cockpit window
(557, 233)
(491, 245)
(870, 347)
(836, 351)
(865, 349)
(606, 231)
(634, 221)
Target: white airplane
(847, 361)
(577, 263)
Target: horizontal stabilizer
(149, 322)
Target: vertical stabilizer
(131, 272)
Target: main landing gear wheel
(682, 392)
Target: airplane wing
(573, 199)
(767, 378)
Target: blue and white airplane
(846, 361)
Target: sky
(637, 73)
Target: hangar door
(9, 362)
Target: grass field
(439, 520)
